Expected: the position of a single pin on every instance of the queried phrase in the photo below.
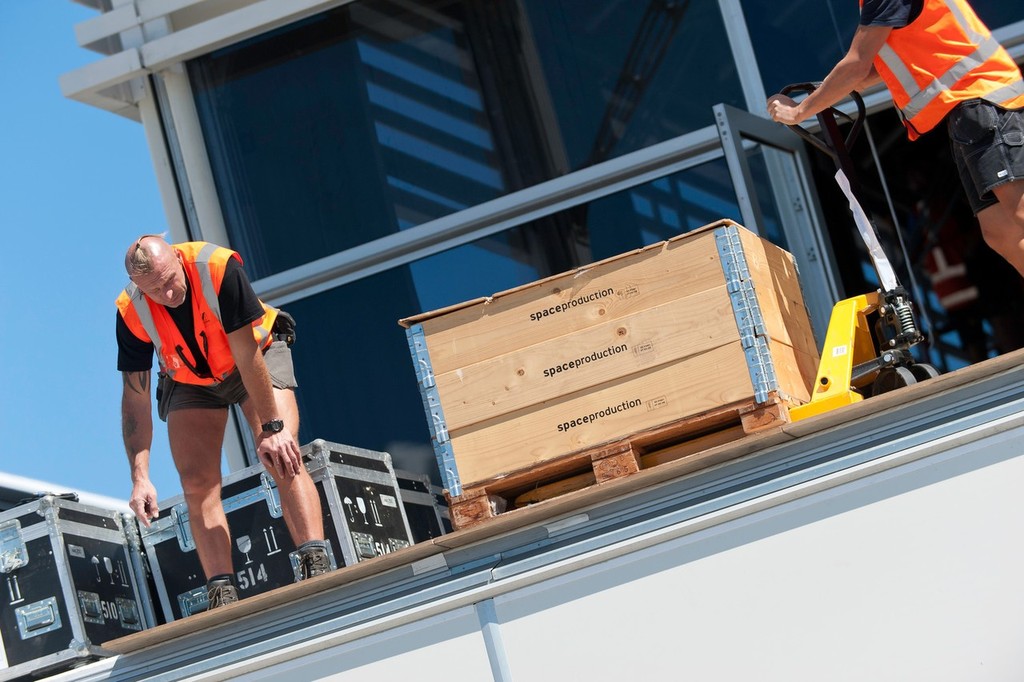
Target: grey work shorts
(988, 145)
(172, 396)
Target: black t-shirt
(239, 306)
(895, 13)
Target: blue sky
(76, 186)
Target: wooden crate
(529, 377)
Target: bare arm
(276, 450)
(854, 71)
(873, 78)
(137, 432)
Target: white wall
(913, 572)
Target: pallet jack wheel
(923, 372)
(891, 378)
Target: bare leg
(196, 437)
(299, 498)
(1002, 225)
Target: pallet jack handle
(835, 145)
(855, 350)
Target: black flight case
(425, 505)
(71, 578)
(362, 519)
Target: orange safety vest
(943, 57)
(204, 265)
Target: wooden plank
(777, 286)
(570, 302)
(616, 461)
(547, 491)
(618, 347)
(795, 372)
(474, 507)
(662, 455)
(691, 446)
(519, 440)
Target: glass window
(357, 384)
(997, 13)
(625, 75)
(660, 210)
(798, 41)
(772, 229)
(382, 115)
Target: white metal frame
(793, 191)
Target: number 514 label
(247, 577)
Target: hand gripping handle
(826, 118)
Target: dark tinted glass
(997, 13)
(380, 115)
(798, 41)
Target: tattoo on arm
(138, 382)
(128, 426)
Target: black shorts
(988, 146)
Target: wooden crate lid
(692, 234)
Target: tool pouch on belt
(284, 328)
(164, 388)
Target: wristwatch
(273, 426)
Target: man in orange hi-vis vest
(940, 62)
(217, 344)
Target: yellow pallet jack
(867, 345)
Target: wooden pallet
(615, 459)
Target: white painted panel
(447, 646)
(912, 574)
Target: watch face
(275, 426)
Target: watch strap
(273, 426)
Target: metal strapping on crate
(753, 334)
(432, 406)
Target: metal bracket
(180, 525)
(267, 491)
(13, 552)
(432, 406)
(128, 614)
(175, 524)
(747, 311)
(193, 601)
(38, 618)
(90, 607)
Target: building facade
(375, 159)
